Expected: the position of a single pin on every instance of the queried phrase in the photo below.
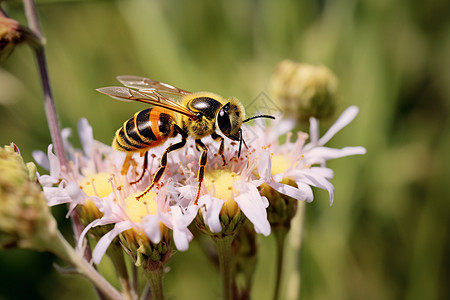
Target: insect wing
(152, 97)
(142, 83)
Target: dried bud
(12, 34)
(303, 90)
(25, 218)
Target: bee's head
(230, 118)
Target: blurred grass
(386, 236)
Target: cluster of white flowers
(94, 178)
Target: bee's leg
(144, 168)
(219, 138)
(201, 166)
(159, 173)
(126, 163)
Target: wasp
(196, 115)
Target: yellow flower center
(137, 209)
(223, 180)
(279, 164)
(97, 185)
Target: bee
(197, 115)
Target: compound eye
(223, 120)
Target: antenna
(241, 140)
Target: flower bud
(25, 218)
(282, 208)
(12, 34)
(303, 90)
(141, 249)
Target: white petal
(80, 243)
(264, 165)
(105, 241)
(151, 228)
(86, 136)
(254, 208)
(41, 159)
(307, 190)
(55, 168)
(320, 155)
(288, 190)
(321, 182)
(47, 180)
(181, 234)
(56, 196)
(210, 211)
(279, 128)
(344, 119)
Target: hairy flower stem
(58, 245)
(280, 235)
(226, 264)
(155, 280)
(49, 104)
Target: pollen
(137, 209)
(279, 164)
(97, 185)
(221, 181)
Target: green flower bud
(282, 208)
(25, 218)
(303, 91)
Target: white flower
(304, 164)
(226, 189)
(93, 182)
(152, 215)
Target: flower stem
(155, 280)
(58, 245)
(293, 253)
(49, 104)
(226, 264)
(280, 235)
(115, 253)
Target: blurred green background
(387, 234)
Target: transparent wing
(152, 97)
(142, 83)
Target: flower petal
(86, 136)
(106, 240)
(264, 165)
(41, 159)
(344, 119)
(181, 234)
(151, 228)
(210, 211)
(288, 190)
(55, 167)
(254, 207)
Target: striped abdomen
(148, 128)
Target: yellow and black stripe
(148, 128)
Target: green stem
(115, 253)
(226, 265)
(155, 280)
(58, 245)
(280, 235)
(293, 253)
